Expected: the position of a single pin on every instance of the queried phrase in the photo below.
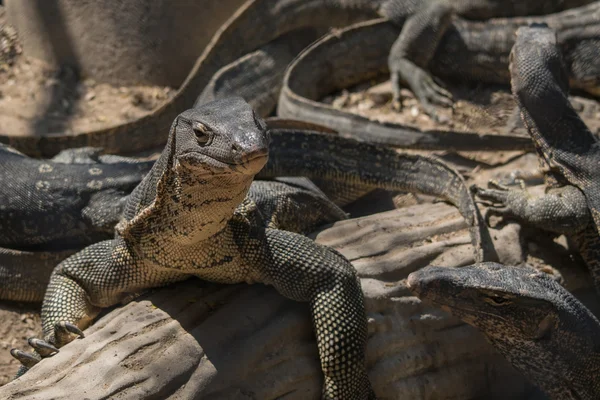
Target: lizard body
(190, 217)
(564, 144)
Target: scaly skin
(51, 209)
(190, 217)
(543, 330)
(564, 143)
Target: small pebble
(414, 111)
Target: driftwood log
(200, 340)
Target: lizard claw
(427, 91)
(42, 347)
(486, 203)
(64, 331)
(495, 196)
(494, 184)
(28, 360)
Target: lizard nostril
(236, 148)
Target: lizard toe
(27, 359)
(66, 332)
(494, 184)
(42, 347)
(433, 93)
(491, 197)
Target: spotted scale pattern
(191, 217)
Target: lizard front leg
(414, 48)
(66, 310)
(561, 210)
(305, 271)
(99, 276)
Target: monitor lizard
(541, 328)
(564, 144)
(471, 52)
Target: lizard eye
(497, 300)
(260, 124)
(203, 134)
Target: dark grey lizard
(425, 23)
(469, 52)
(191, 217)
(50, 209)
(243, 34)
(572, 203)
(543, 330)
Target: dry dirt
(483, 108)
(36, 100)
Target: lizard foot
(495, 198)
(64, 333)
(429, 93)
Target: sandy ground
(36, 100)
(483, 108)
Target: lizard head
(202, 175)
(221, 137)
(489, 295)
(532, 320)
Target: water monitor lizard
(565, 146)
(258, 22)
(541, 328)
(190, 216)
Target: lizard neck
(187, 211)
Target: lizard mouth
(249, 163)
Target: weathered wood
(202, 340)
